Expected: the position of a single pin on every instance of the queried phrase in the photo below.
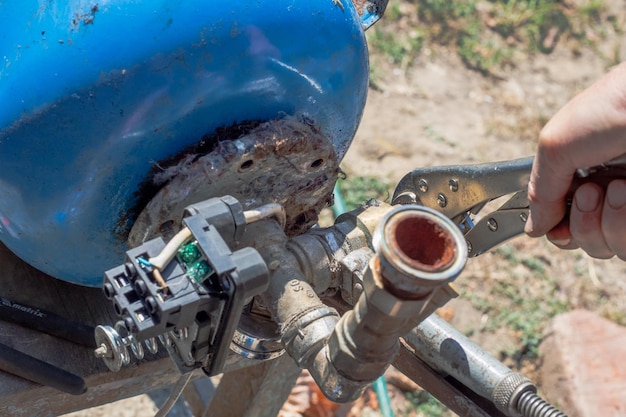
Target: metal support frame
(257, 391)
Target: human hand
(587, 131)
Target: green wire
(380, 385)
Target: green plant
(534, 265)
(357, 190)
(487, 37)
(393, 12)
(508, 253)
(426, 405)
(399, 48)
(592, 10)
(615, 315)
(525, 315)
(376, 74)
(435, 136)
(479, 51)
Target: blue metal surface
(370, 11)
(92, 94)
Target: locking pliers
(461, 192)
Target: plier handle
(28, 367)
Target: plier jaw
(461, 192)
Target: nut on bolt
(388, 304)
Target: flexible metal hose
(532, 405)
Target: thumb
(547, 192)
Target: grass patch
(400, 50)
(487, 34)
(509, 305)
(358, 190)
(616, 315)
(518, 304)
(426, 405)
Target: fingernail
(561, 242)
(529, 226)
(616, 194)
(587, 198)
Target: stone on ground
(584, 365)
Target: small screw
(523, 217)
(442, 200)
(454, 185)
(422, 185)
(469, 246)
(102, 352)
(492, 224)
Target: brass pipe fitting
(304, 321)
(419, 251)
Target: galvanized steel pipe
(447, 350)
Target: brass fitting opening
(407, 234)
(420, 250)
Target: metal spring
(530, 404)
(128, 340)
(114, 343)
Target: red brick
(584, 365)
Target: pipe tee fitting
(419, 251)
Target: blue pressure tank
(92, 93)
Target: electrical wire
(267, 210)
(177, 390)
(169, 251)
(144, 262)
(159, 279)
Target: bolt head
(453, 184)
(442, 200)
(422, 184)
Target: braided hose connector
(532, 405)
(508, 390)
(516, 395)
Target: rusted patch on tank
(165, 170)
(287, 161)
(361, 6)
